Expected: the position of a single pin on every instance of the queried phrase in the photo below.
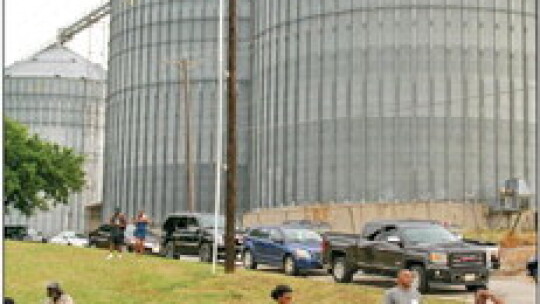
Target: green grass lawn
(89, 278)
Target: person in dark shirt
(118, 227)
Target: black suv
(100, 238)
(15, 232)
(193, 234)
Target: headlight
(438, 258)
(302, 254)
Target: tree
(38, 173)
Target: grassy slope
(90, 279)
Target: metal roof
(56, 61)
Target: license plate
(469, 277)
(155, 250)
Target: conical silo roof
(56, 61)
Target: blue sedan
(294, 250)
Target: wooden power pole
(231, 143)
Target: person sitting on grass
(282, 294)
(404, 292)
(56, 295)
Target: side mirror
(394, 240)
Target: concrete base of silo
(350, 218)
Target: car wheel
(205, 253)
(169, 251)
(248, 260)
(340, 271)
(289, 266)
(420, 279)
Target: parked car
(295, 250)
(100, 238)
(15, 232)
(35, 236)
(151, 242)
(532, 268)
(319, 227)
(429, 250)
(70, 238)
(193, 234)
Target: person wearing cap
(118, 227)
(282, 294)
(55, 295)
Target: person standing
(141, 227)
(55, 295)
(118, 227)
(404, 292)
(282, 294)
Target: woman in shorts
(141, 227)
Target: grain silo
(145, 154)
(391, 100)
(60, 96)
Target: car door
(275, 247)
(259, 239)
(388, 255)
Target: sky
(30, 24)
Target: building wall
(69, 112)
(145, 142)
(365, 101)
(350, 218)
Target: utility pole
(231, 143)
(184, 65)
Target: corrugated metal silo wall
(69, 112)
(391, 100)
(145, 141)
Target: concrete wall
(351, 217)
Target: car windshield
(301, 236)
(208, 221)
(428, 235)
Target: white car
(70, 238)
